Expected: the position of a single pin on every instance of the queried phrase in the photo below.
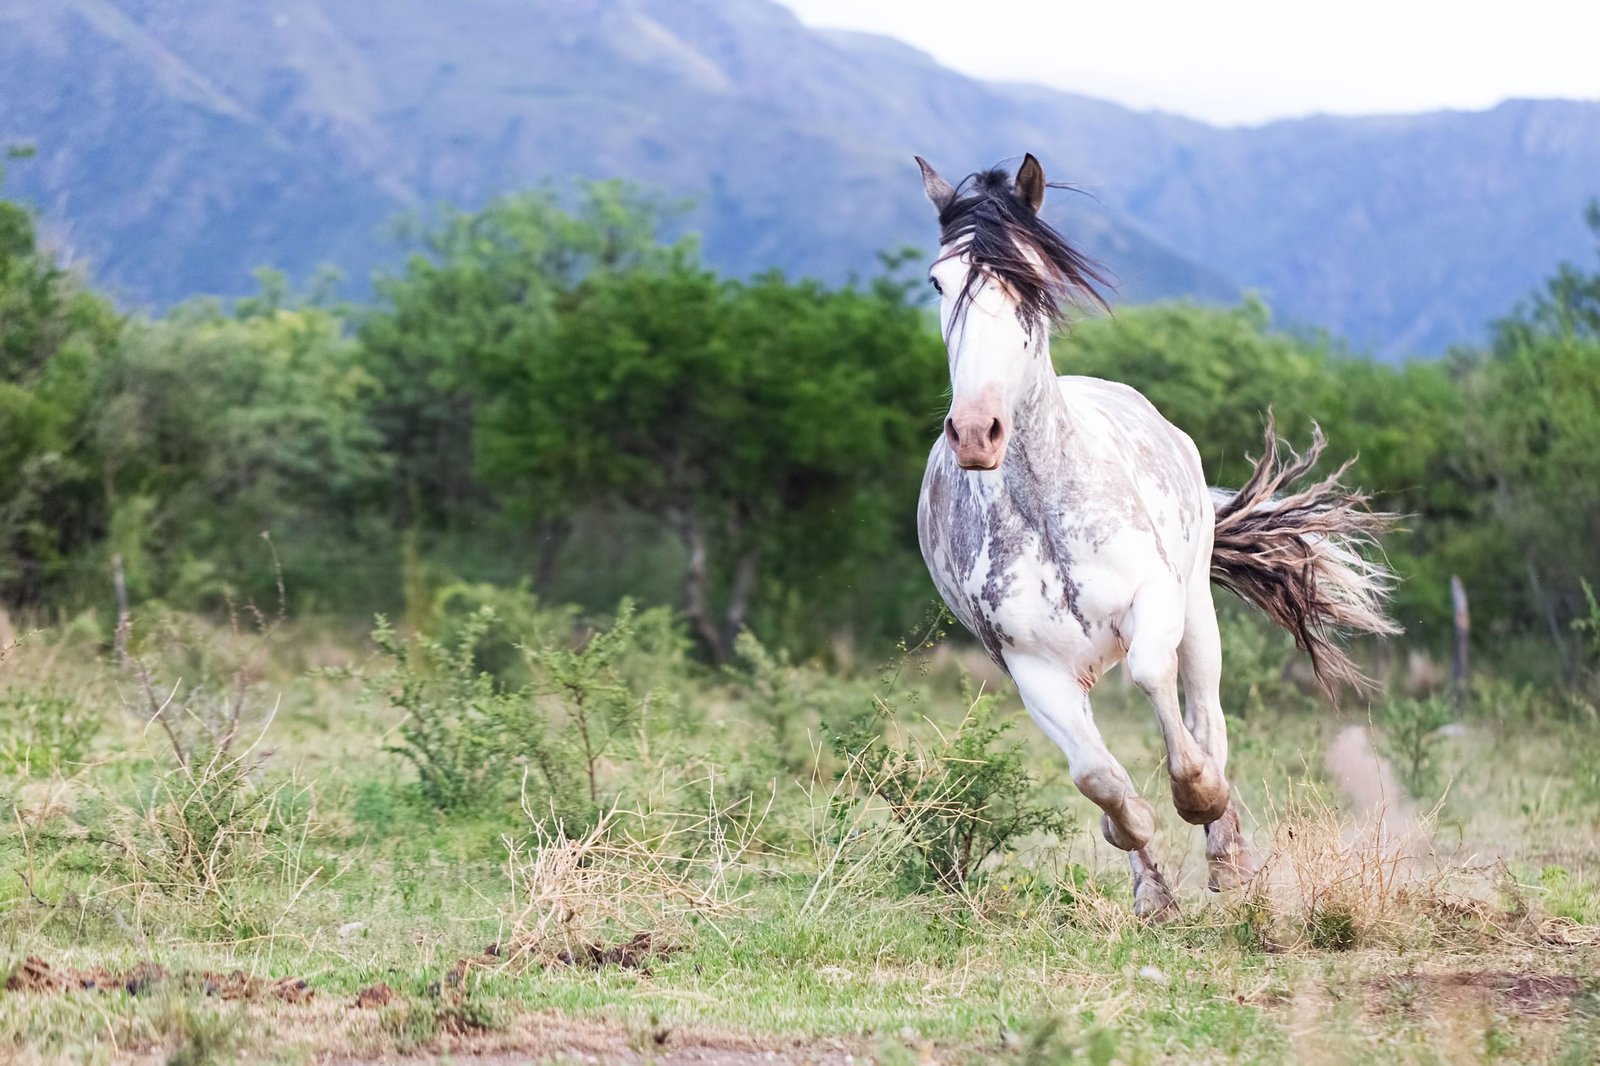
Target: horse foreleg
(1153, 629)
(1058, 702)
(1228, 855)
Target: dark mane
(1012, 244)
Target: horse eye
(936, 286)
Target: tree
(212, 428)
(1536, 409)
(54, 334)
(776, 429)
(469, 308)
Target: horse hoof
(1153, 903)
(1135, 829)
(1228, 874)
(1152, 897)
(1228, 855)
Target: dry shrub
(210, 825)
(660, 876)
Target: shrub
(499, 621)
(596, 709)
(1411, 730)
(470, 737)
(787, 699)
(454, 714)
(957, 801)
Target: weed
(454, 714)
(617, 879)
(599, 710)
(958, 800)
(47, 731)
(1412, 739)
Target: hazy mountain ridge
(182, 142)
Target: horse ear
(939, 191)
(1030, 182)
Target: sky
(1242, 62)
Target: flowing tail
(1305, 557)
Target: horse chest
(1023, 576)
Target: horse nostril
(994, 432)
(951, 433)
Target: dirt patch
(1505, 990)
(36, 975)
(635, 954)
(374, 996)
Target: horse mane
(1007, 240)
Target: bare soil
(1502, 990)
(33, 974)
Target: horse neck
(1042, 422)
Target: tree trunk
(1547, 609)
(744, 581)
(694, 586)
(553, 536)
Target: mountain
(183, 142)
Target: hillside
(183, 142)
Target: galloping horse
(1068, 525)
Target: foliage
(453, 730)
(959, 799)
(54, 336)
(1412, 738)
(474, 303)
(554, 392)
(1536, 401)
(597, 709)
(760, 424)
(46, 730)
(475, 740)
(215, 427)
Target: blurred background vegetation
(551, 395)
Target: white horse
(1068, 525)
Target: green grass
(348, 879)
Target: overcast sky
(1247, 61)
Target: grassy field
(525, 842)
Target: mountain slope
(182, 142)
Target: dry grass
(631, 875)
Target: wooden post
(1463, 627)
(120, 584)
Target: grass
(778, 917)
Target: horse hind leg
(1228, 856)
(1059, 703)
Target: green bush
(474, 740)
(1411, 740)
(454, 715)
(958, 800)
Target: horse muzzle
(977, 434)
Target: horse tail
(1306, 557)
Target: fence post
(1463, 627)
(120, 584)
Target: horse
(1069, 527)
